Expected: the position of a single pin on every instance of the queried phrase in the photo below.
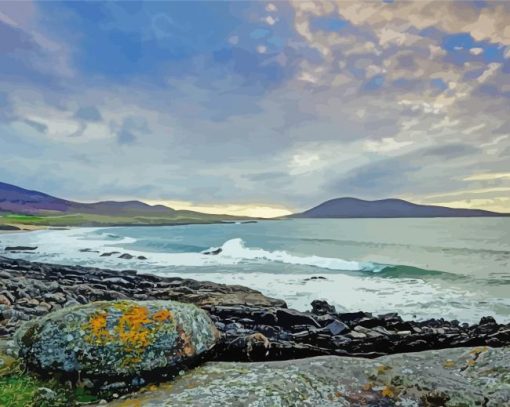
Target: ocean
(456, 268)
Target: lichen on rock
(117, 338)
(479, 377)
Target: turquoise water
(455, 268)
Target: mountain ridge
(46, 209)
(349, 207)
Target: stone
(337, 327)
(4, 300)
(126, 256)
(214, 252)
(108, 254)
(412, 379)
(20, 248)
(290, 317)
(487, 321)
(119, 338)
(353, 316)
(320, 307)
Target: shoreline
(29, 290)
(325, 356)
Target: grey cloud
(132, 127)
(266, 176)
(89, 114)
(125, 136)
(451, 151)
(40, 127)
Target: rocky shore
(69, 319)
(254, 327)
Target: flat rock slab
(451, 377)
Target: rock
(320, 307)
(45, 397)
(142, 258)
(414, 379)
(4, 300)
(108, 254)
(59, 298)
(337, 327)
(213, 252)
(289, 317)
(9, 227)
(119, 338)
(126, 256)
(353, 316)
(20, 248)
(487, 321)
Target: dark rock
(315, 278)
(337, 328)
(289, 317)
(369, 322)
(126, 256)
(213, 252)
(353, 316)
(320, 307)
(9, 227)
(487, 321)
(142, 258)
(108, 254)
(20, 248)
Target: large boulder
(465, 377)
(117, 338)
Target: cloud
(344, 99)
(88, 114)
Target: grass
(23, 390)
(17, 391)
(80, 219)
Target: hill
(386, 208)
(27, 207)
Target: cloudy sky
(257, 107)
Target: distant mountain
(386, 208)
(23, 201)
(16, 200)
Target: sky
(257, 108)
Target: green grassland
(81, 219)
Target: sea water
(422, 268)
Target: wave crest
(236, 249)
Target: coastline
(21, 228)
(31, 290)
(254, 328)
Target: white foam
(351, 290)
(236, 250)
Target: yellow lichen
(471, 362)
(162, 315)
(478, 350)
(382, 369)
(448, 364)
(387, 391)
(98, 332)
(134, 330)
(131, 329)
